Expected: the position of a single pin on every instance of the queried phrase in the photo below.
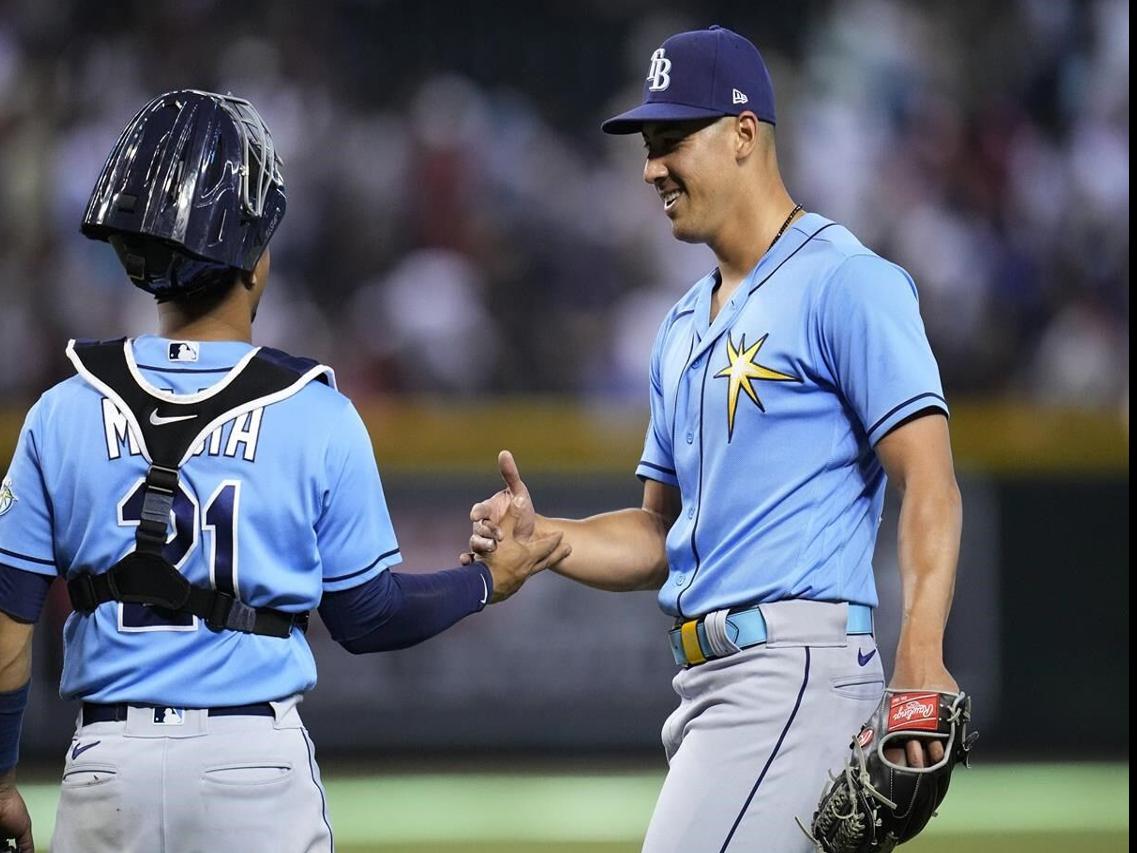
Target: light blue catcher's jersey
(767, 418)
(280, 504)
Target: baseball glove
(873, 804)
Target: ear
(745, 135)
(259, 273)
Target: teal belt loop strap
(704, 644)
(860, 619)
(677, 647)
(751, 627)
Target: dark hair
(190, 278)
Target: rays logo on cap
(658, 73)
(7, 499)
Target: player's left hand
(874, 804)
(913, 674)
(15, 822)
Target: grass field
(1008, 808)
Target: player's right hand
(486, 516)
(517, 556)
(14, 819)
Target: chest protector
(168, 429)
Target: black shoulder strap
(168, 430)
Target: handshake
(505, 535)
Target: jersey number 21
(218, 524)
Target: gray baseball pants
(203, 785)
(755, 734)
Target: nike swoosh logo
(862, 658)
(157, 419)
(485, 591)
(80, 749)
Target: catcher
(200, 496)
(887, 793)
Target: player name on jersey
(237, 436)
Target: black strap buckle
(162, 479)
(157, 502)
(81, 590)
(227, 612)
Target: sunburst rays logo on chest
(741, 371)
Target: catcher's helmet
(190, 193)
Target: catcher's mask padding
(178, 275)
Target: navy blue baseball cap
(701, 74)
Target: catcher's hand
(875, 804)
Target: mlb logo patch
(183, 351)
(169, 716)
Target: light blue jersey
(281, 504)
(766, 421)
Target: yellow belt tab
(690, 638)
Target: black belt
(95, 713)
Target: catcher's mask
(190, 193)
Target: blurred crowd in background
(457, 224)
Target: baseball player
(200, 496)
(785, 387)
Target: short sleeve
(354, 535)
(25, 507)
(657, 462)
(873, 340)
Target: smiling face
(693, 166)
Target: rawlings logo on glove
(875, 804)
(913, 711)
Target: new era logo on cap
(701, 74)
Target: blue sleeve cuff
(352, 579)
(902, 411)
(29, 563)
(662, 474)
(22, 593)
